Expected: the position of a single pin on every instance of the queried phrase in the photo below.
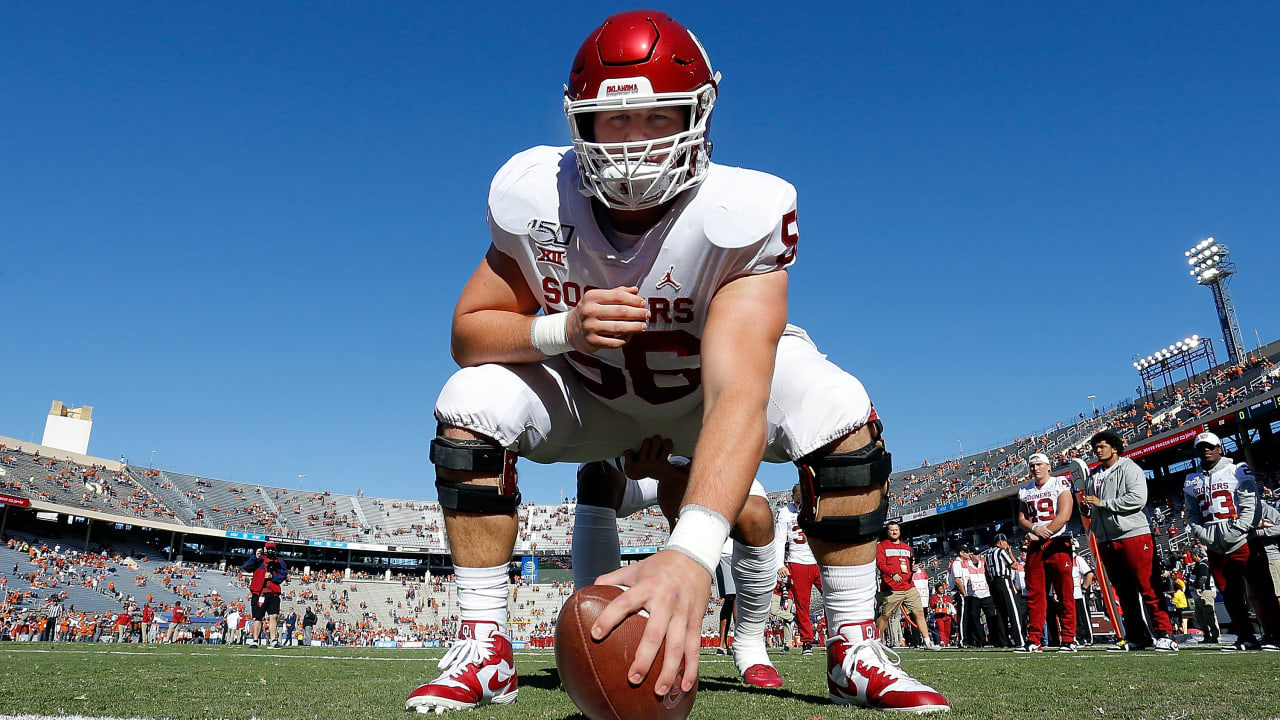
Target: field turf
(347, 684)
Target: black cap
(1001, 537)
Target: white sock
(849, 594)
(755, 576)
(595, 544)
(482, 594)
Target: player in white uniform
(747, 571)
(1044, 508)
(1222, 510)
(799, 568)
(662, 286)
(1083, 578)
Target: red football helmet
(641, 59)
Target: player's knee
(474, 473)
(601, 484)
(843, 487)
(490, 400)
(755, 523)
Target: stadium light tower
(1211, 265)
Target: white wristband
(700, 534)
(550, 334)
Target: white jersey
(736, 223)
(1212, 498)
(786, 529)
(920, 579)
(1079, 569)
(1040, 504)
(958, 572)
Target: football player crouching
(632, 287)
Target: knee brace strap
(482, 499)
(847, 528)
(477, 456)
(868, 466)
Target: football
(594, 673)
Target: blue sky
(238, 229)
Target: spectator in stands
(1114, 497)
(895, 563)
(800, 568)
(269, 573)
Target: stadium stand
(368, 607)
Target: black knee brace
(478, 456)
(866, 467)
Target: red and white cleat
(859, 672)
(762, 676)
(478, 669)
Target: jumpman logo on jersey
(668, 280)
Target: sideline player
(799, 569)
(747, 571)
(1115, 495)
(1044, 508)
(1220, 504)
(662, 282)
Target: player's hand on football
(673, 589)
(607, 318)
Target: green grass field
(347, 684)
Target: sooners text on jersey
(1040, 504)
(736, 223)
(1215, 493)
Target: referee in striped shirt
(1000, 571)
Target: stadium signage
(1260, 408)
(245, 536)
(328, 544)
(14, 500)
(1162, 444)
(639, 550)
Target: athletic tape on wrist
(550, 334)
(700, 535)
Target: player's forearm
(728, 455)
(493, 336)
